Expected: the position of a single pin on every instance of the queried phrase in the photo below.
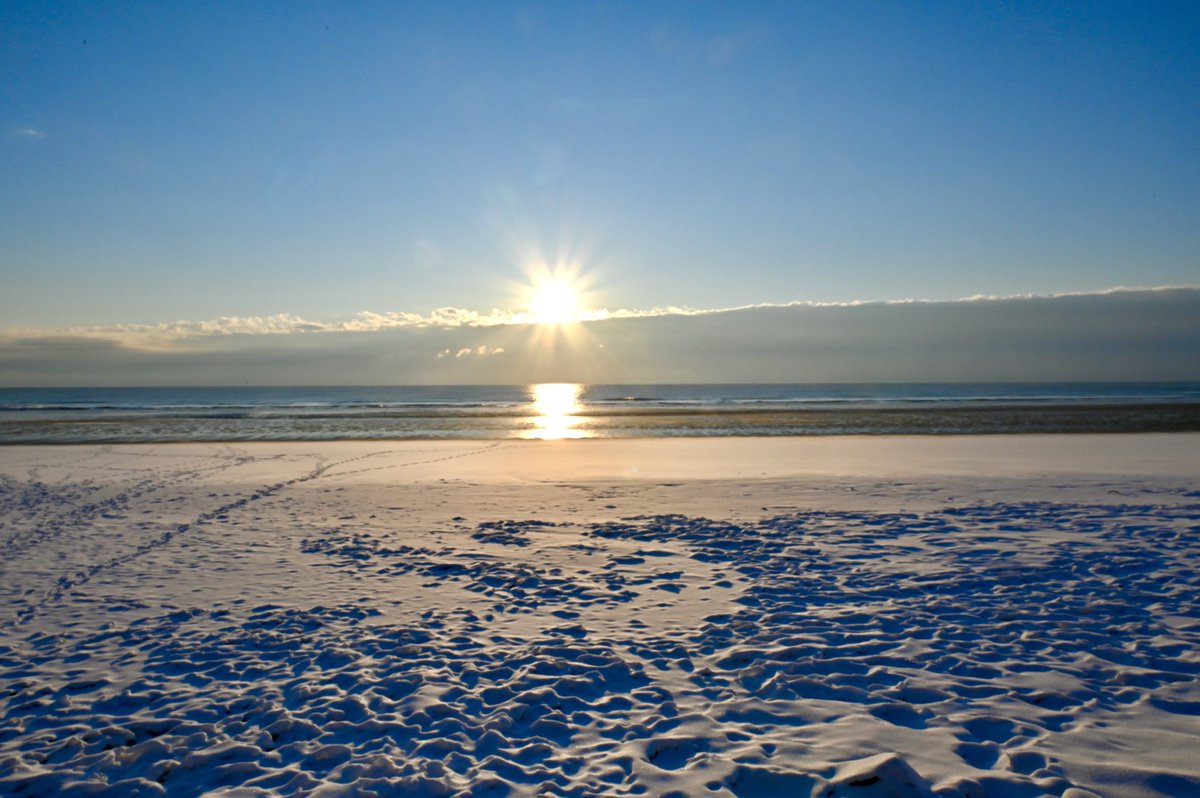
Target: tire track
(469, 453)
(47, 529)
(66, 583)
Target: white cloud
(479, 351)
(29, 132)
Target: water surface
(549, 411)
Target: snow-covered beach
(887, 616)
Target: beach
(599, 400)
(950, 615)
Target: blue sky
(169, 161)
(171, 172)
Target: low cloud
(1120, 334)
(162, 334)
(466, 351)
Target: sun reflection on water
(557, 408)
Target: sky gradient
(166, 162)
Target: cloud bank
(161, 334)
(1121, 334)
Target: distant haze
(1119, 335)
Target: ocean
(552, 411)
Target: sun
(554, 301)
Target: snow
(897, 617)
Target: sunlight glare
(557, 406)
(554, 301)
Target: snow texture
(221, 621)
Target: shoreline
(613, 438)
(566, 412)
(1175, 454)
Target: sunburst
(554, 301)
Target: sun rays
(557, 287)
(556, 294)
